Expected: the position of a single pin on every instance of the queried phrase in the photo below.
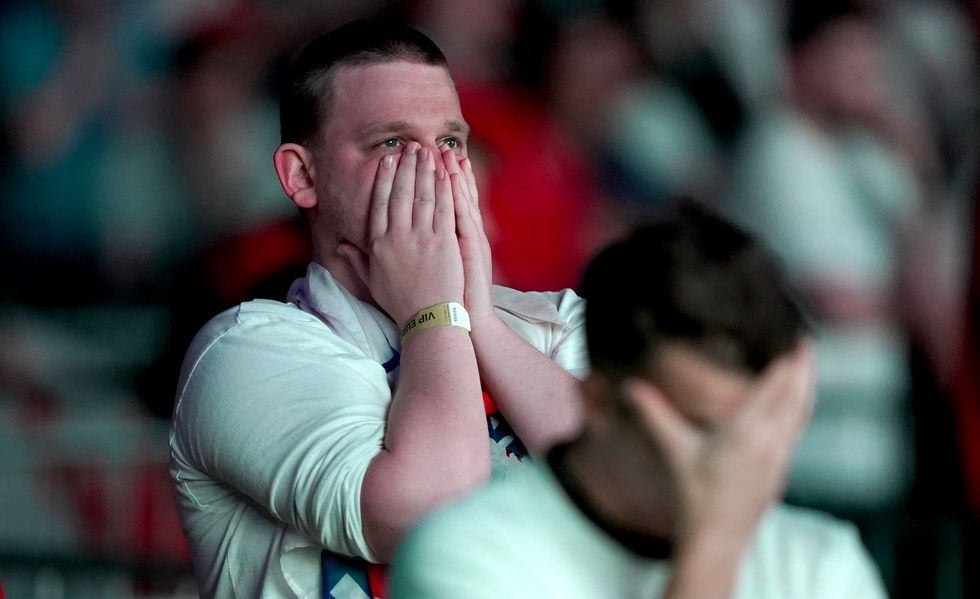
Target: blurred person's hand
(725, 477)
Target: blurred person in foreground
(308, 436)
(700, 386)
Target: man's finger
(452, 168)
(675, 436)
(445, 212)
(779, 405)
(465, 226)
(764, 395)
(378, 215)
(402, 198)
(797, 404)
(466, 166)
(425, 191)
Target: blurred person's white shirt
(525, 537)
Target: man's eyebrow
(452, 126)
(386, 127)
(457, 126)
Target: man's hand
(474, 247)
(413, 257)
(724, 478)
(538, 398)
(413, 261)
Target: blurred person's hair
(689, 277)
(808, 19)
(307, 91)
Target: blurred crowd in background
(138, 199)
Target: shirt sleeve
(552, 322)
(569, 349)
(286, 413)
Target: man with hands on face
(311, 432)
(701, 385)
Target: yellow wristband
(448, 314)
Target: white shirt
(524, 538)
(281, 408)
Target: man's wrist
(451, 314)
(487, 324)
(706, 552)
(717, 537)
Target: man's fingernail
(467, 165)
(424, 154)
(441, 173)
(413, 147)
(388, 161)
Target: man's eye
(451, 142)
(391, 142)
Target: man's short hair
(687, 276)
(308, 90)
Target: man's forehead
(403, 74)
(392, 96)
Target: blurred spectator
(711, 65)
(226, 124)
(90, 205)
(660, 143)
(934, 62)
(967, 382)
(725, 54)
(827, 185)
(56, 71)
(935, 68)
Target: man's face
(376, 111)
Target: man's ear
(294, 167)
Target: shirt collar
(640, 544)
(369, 329)
(355, 321)
(530, 307)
